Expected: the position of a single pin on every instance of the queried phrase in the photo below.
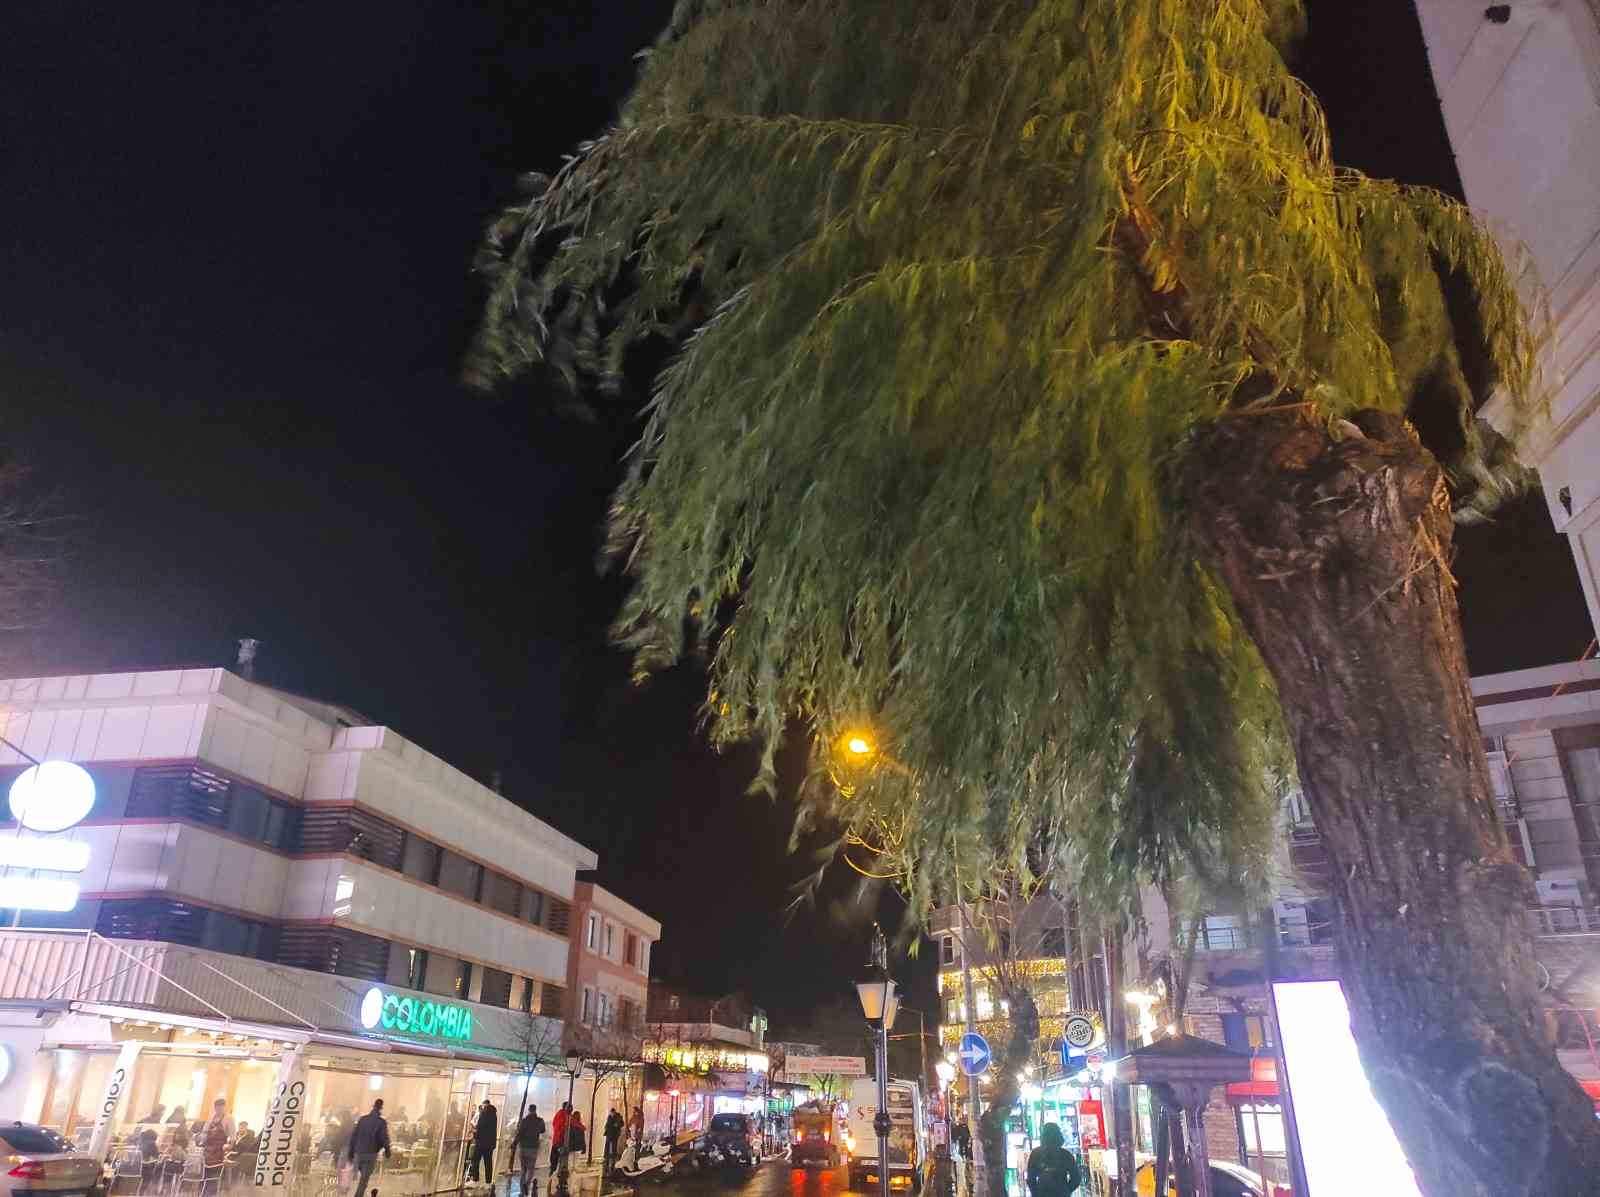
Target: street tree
(537, 1040)
(1048, 402)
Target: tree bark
(1024, 1018)
(1335, 548)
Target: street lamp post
(574, 1067)
(880, 1002)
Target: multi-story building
(1520, 88)
(704, 1057)
(608, 972)
(278, 887)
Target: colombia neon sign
(415, 1016)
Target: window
(552, 1000)
(463, 984)
(495, 989)
(1246, 1032)
(187, 924)
(421, 859)
(947, 950)
(502, 893)
(603, 1010)
(588, 1006)
(200, 796)
(644, 956)
(627, 1013)
(533, 906)
(591, 934)
(1261, 1130)
(630, 949)
(558, 916)
(610, 951)
(458, 875)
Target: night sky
(235, 297)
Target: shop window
(420, 859)
(458, 875)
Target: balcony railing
(1564, 920)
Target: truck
(908, 1135)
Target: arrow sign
(973, 1053)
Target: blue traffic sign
(973, 1053)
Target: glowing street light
(858, 746)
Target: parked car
(37, 1162)
(730, 1140)
(1227, 1180)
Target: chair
(129, 1166)
(204, 1179)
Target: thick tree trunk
(1335, 548)
(1024, 1018)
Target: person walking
(577, 1133)
(485, 1135)
(216, 1134)
(613, 1133)
(370, 1136)
(636, 1125)
(1052, 1169)
(530, 1133)
(558, 1137)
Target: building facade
(1520, 88)
(703, 1057)
(608, 971)
(278, 895)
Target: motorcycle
(645, 1161)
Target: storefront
(304, 1053)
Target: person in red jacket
(558, 1134)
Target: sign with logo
(117, 1085)
(825, 1066)
(48, 797)
(285, 1108)
(1082, 1031)
(407, 1014)
(973, 1053)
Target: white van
(908, 1135)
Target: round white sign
(52, 796)
(372, 1007)
(1079, 1031)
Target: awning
(1262, 1085)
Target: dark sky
(235, 295)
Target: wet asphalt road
(773, 1179)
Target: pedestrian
(530, 1132)
(216, 1133)
(370, 1136)
(1052, 1169)
(962, 1137)
(558, 1136)
(636, 1125)
(613, 1133)
(577, 1133)
(485, 1134)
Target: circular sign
(372, 1007)
(52, 796)
(1079, 1032)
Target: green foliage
(914, 469)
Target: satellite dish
(52, 796)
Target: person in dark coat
(485, 1134)
(530, 1133)
(370, 1136)
(961, 1137)
(1052, 1169)
(613, 1134)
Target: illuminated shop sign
(407, 1015)
(49, 797)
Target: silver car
(37, 1162)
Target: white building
(1520, 87)
(259, 866)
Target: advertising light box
(1348, 1147)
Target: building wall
(1521, 102)
(594, 971)
(313, 758)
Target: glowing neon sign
(407, 1015)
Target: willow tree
(1041, 402)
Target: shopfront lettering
(408, 1015)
